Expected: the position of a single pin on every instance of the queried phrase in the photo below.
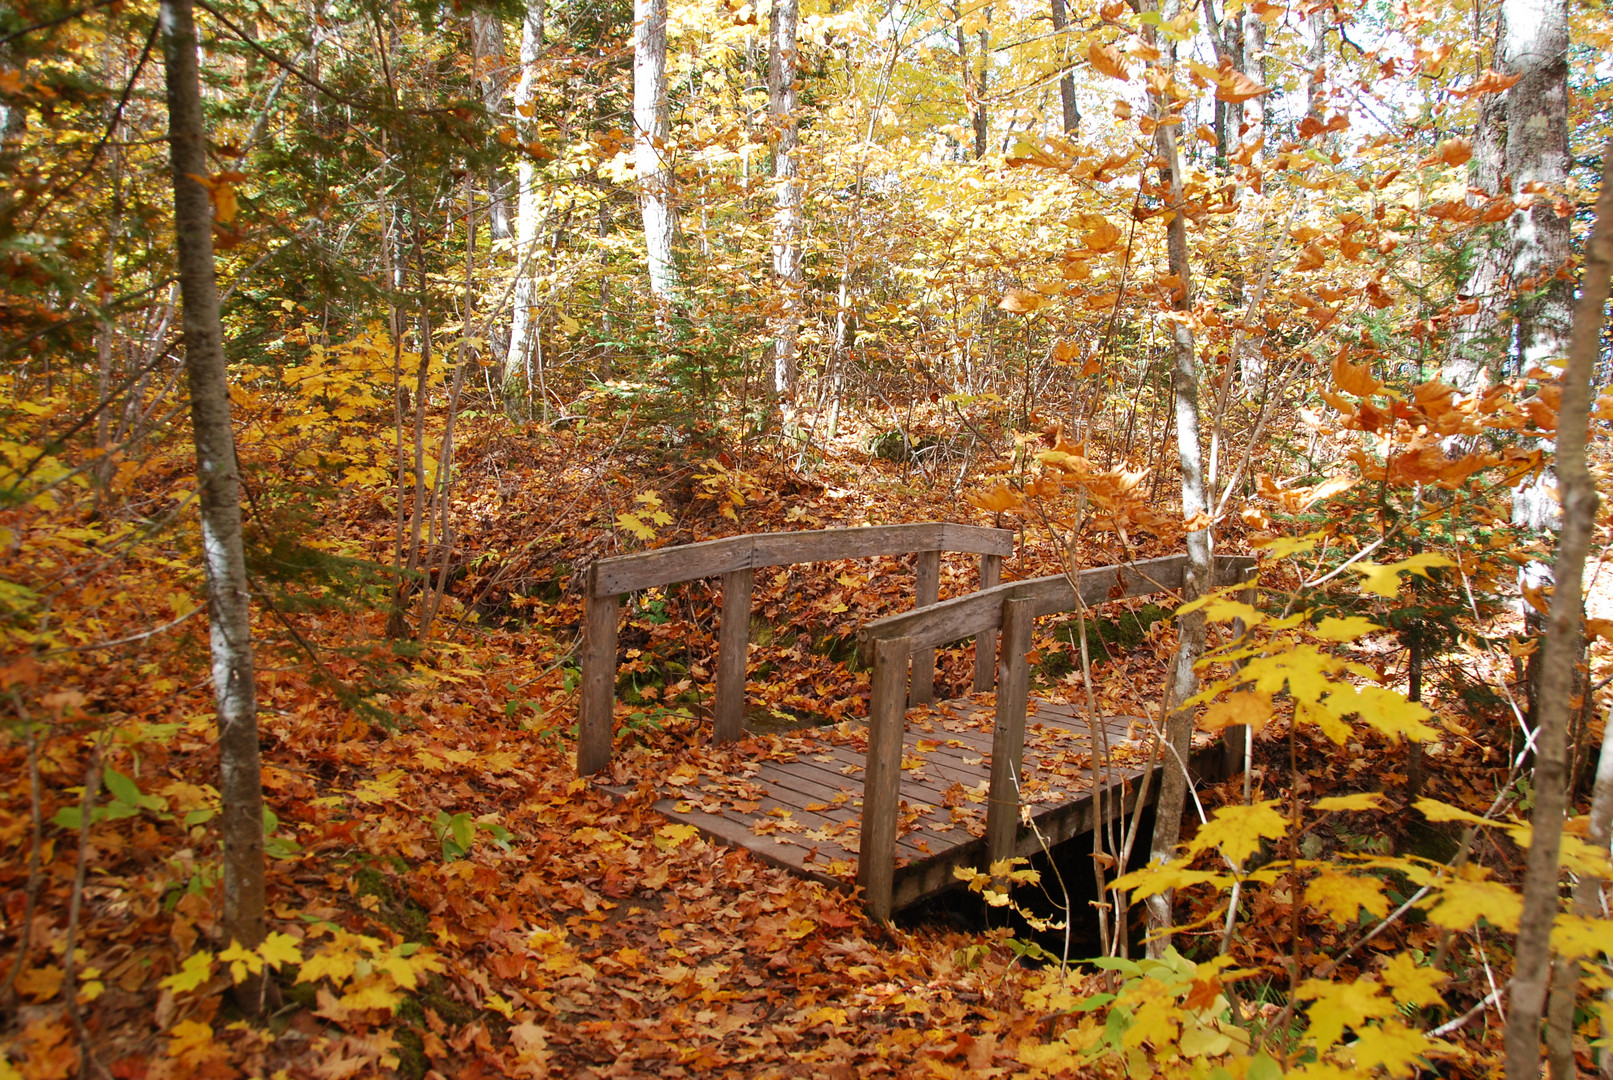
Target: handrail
(1011, 608)
(736, 559)
(709, 558)
(980, 612)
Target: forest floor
(448, 899)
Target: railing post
(1008, 732)
(1235, 739)
(596, 715)
(991, 572)
(882, 778)
(927, 592)
(733, 649)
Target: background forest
(339, 339)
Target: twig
(1492, 998)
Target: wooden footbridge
(894, 806)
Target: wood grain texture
(927, 591)
(648, 569)
(981, 612)
(597, 710)
(991, 575)
(807, 818)
(876, 850)
(1008, 730)
(733, 651)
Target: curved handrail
(708, 558)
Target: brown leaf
(1106, 58)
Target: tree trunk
(980, 88)
(228, 599)
(1564, 636)
(650, 127)
(487, 56)
(1070, 114)
(781, 69)
(1477, 340)
(1196, 575)
(528, 210)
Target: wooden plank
(733, 650)
(596, 713)
(979, 612)
(1008, 733)
(876, 850)
(926, 592)
(991, 575)
(644, 570)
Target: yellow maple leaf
(1342, 896)
(1381, 709)
(1384, 579)
(334, 963)
(371, 994)
(242, 961)
(1413, 985)
(677, 834)
(279, 949)
(1465, 900)
(1347, 629)
(196, 969)
(1361, 800)
(635, 525)
(1150, 880)
(1437, 811)
(1399, 1050)
(1238, 830)
(1335, 1006)
(189, 1039)
(1242, 707)
(406, 967)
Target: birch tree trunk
(1196, 575)
(1070, 115)
(650, 127)
(228, 600)
(1477, 341)
(787, 271)
(1564, 637)
(528, 208)
(1535, 48)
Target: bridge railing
(1010, 610)
(735, 559)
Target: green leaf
(122, 788)
(68, 817)
(463, 830)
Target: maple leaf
(1106, 58)
(1413, 985)
(1437, 811)
(1337, 1005)
(1165, 877)
(1346, 629)
(196, 969)
(1384, 579)
(1361, 800)
(1238, 830)
(1397, 1049)
(1466, 899)
(242, 961)
(1342, 896)
(1352, 378)
(999, 500)
(1241, 707)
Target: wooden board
(648, 569)
(807, 816)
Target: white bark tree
(218, 494)
(650, 153)
(787, 270)
(528, 196)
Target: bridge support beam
(1008, 732)
(927, 592)
(882, 777)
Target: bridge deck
(799, 806)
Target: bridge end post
(1008, 730)
(596, 715)
(1236, 739)
(928, 591)
(733, 650)
(991, 573)
(882, 777)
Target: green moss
(395, 910)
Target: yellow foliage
(1237, 830)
